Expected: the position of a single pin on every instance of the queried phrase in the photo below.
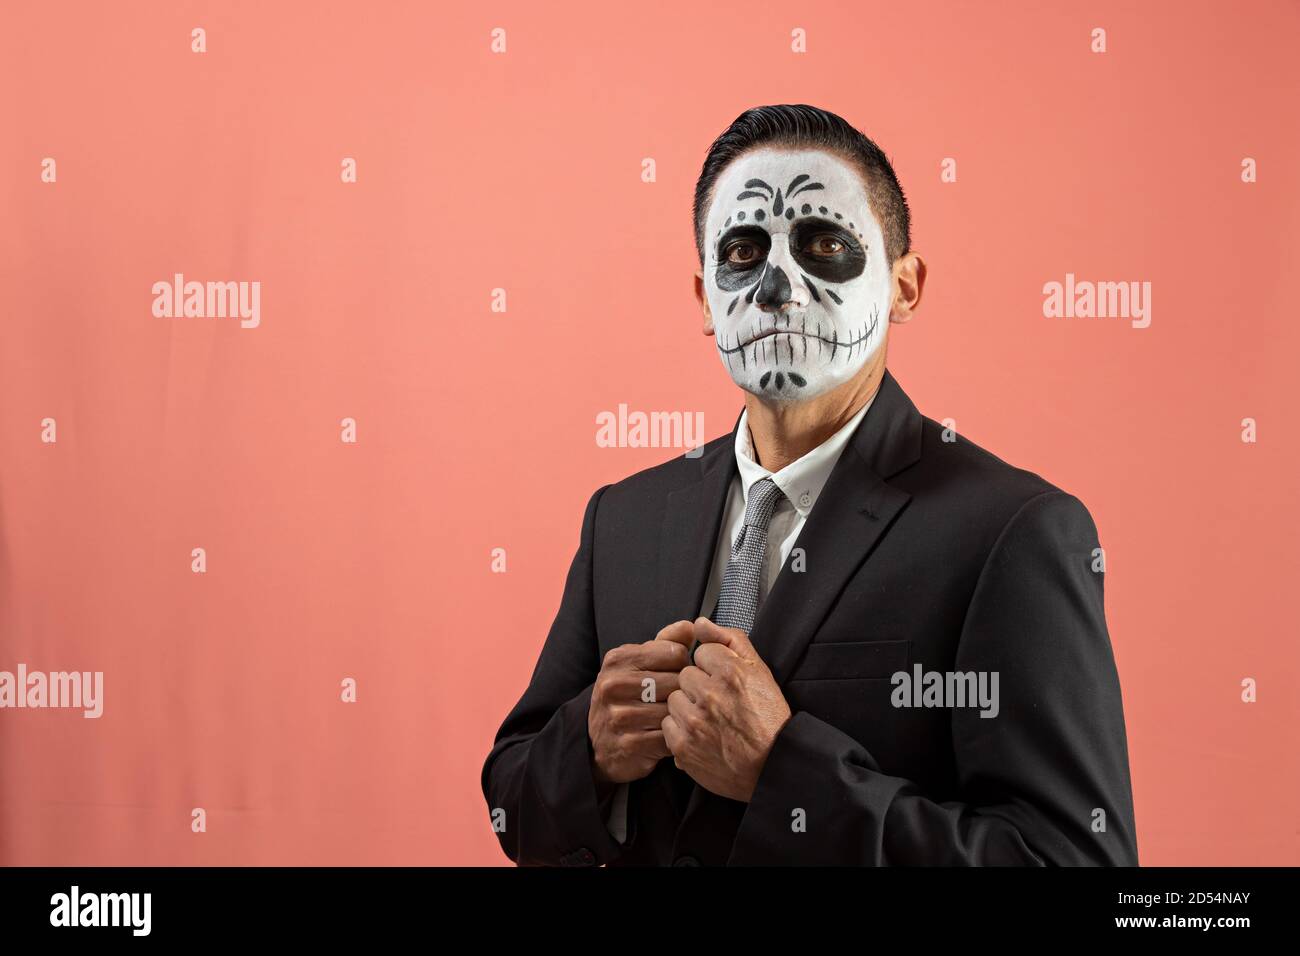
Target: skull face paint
(795, 273)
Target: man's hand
(628, 704)
(726, 713)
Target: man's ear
(704, 301)
(909, 282)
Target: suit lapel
(689, 538)
(855, 509)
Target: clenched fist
(726, 713)
(629, 704)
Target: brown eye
(825, 245)
(742, 253)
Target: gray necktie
(738, 600)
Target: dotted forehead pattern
(780, 205)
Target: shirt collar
(802, 480)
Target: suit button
(686, 861)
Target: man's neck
(782, 433)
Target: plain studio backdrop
(525, 171)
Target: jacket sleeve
(1045, 782)
(544, 803)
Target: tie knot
(764, 496)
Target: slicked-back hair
(798, 126)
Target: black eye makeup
(741, 251)
(826, 250)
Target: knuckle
(624, 719)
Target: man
(840, 635)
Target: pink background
(477, 429)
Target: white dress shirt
(802, 482)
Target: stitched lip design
(766, 335)
(802, 331)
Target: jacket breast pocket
(852, 660)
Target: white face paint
(795, 273)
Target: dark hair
(807, 127)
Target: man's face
(795, 273)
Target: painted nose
(776, 292)
(774, 289)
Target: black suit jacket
(918, 551)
